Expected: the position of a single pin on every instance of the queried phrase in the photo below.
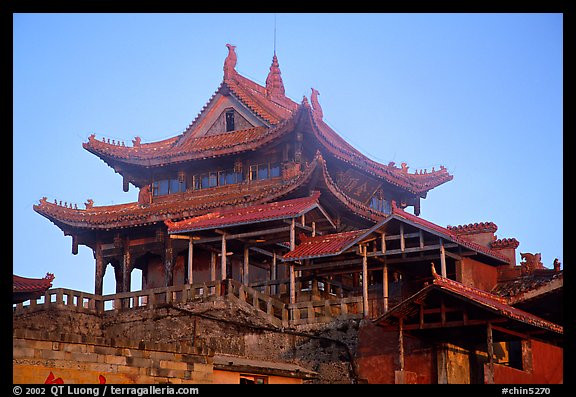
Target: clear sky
(480, 94)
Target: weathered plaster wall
(547, 367)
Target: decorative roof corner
(230, 62)
(315, 104)
(503, 243)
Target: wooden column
(223, 259)
(385, 286)
(489, 377)
(401, 343)
(383, 243)
(313, 229)
(292, 247)
(212, 266)
(402, 239)
(190, 260)
(168, 262)
(246, 277)
(364, 281)
(100, 270)
(442, 259)
(273, 288)
(126, 267)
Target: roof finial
(274, 84)
(230, 61)
(315, 104)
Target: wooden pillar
(292, 247)
(442, 259)
(313, 229)
(273, 289)
(223, 259)
(364, 281)
(401, 343)
(212, 266)
(118, 275)
(385, 286)
(168, 262)
(126, 267)
(100, 270)
(489, 377)
(190, 260)
(383, 243)
(402, 240)
(246, 277)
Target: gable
(212, 120)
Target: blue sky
(480, 94)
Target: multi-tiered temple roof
(265, 118)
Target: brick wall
(82, 359)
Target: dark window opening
(380, 204)
(229, 120)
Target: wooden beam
(244, 235)
(411, 250)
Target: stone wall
(86, 359)
(219, 325)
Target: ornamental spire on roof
(230, 61)
(274, 84)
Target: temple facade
(260, 201)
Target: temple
(259, 206)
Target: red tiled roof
(473, 228)
(493, 302)
(326, 245)
(483, 299)
(240, 216)
(194, 203)
(274, 108)
(29, 285)
(334, 244)
(447, 233)
(417, 183)
(502, 243)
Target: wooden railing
(82, 301)
(318, 308)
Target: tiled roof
(493, 302)
(246, 215)
(418, 182)
(484, 299)
(334, 244)
(29, 285)
(512, 288)
(448, 234)
(502, 243)
(275, 109)
(473, 228)
(194, 203)
(326, 245)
